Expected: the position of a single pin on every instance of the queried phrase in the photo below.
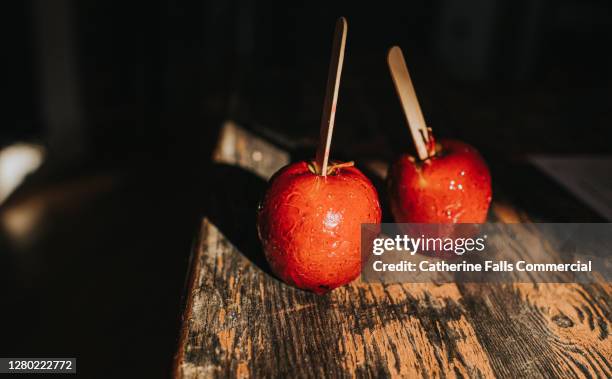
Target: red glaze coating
(310, 225)
(454, 186)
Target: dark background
(128, 98)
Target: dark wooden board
(240, 321)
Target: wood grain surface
(240, 321)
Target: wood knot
(563, 321)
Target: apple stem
(333, 166)
(336, 166)
(431, 144)
(421, 134)
(331, 96)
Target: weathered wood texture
(240, 321)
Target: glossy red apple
(452, 186)
(310, 224)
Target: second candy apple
(451, 186)
(448, 183)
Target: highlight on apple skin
(310, 225)
(452, 186)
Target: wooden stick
(331, 96)
(409, 101)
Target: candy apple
(449, 183)
(452, 185)
(310, 224)
(309, 221)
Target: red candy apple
(449, 183)
(451, 186)
(310, 224)
(309, 221)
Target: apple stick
(409, 101)
(331, 96)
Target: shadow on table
(232, 207)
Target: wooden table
(240, 321)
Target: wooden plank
(240, 321)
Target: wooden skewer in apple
(331, 96)
(449, 183)
(309, 221)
